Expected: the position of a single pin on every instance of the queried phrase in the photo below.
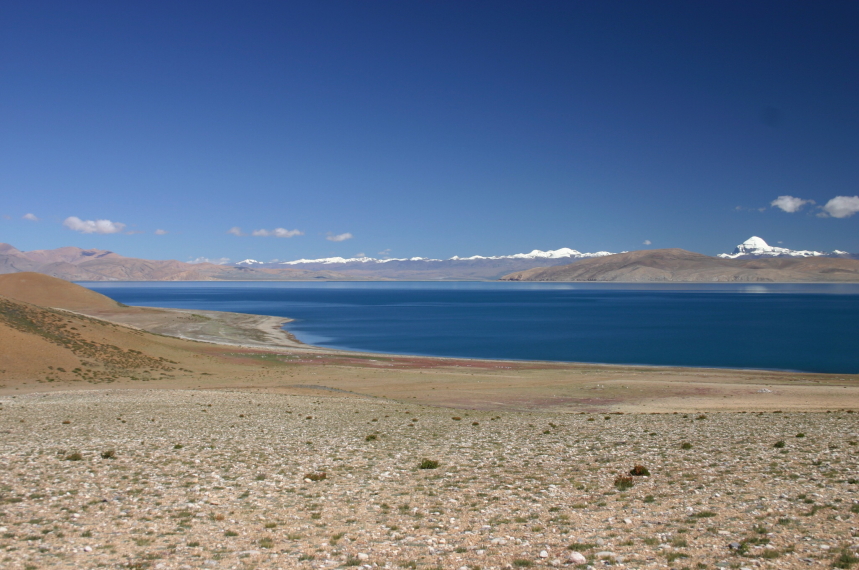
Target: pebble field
(170, 479)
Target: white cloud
(31, 217)
(842, 206)
(236, 231)
(647, 242)
(339, 237)
(93, 227)
(790, 204)
(278, 232)
(361, 254)
(216, 261)
(161, 232)
(385, 252)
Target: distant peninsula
(679, 265)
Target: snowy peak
(755, 246)
(563, 253)
(250, 262)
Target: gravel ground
(224, 479)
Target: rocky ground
(239, 480)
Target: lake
(800, 327)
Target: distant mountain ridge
(421, 268)
(76, 264)
(679, 265)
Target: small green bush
(428, 464)
(779, 444)
(623, 482)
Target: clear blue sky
(426, 128)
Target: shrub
(428, 464)
(231, 533)
(623, 482)
(456, 418)
(685, 445)
(266, 543)
(74, 456)
(319, 476)
(800, 434)
(522, 563)
(371, 437)
(779, 444)
(845, 559)
(178, 446)
(109, 454)
(639, 471)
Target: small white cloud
(790, 204)
(278, 232)
(31, 217)
(647, 242)
(841, 207)
(361, 254)
(339, 237)
(161, 232)
(385, 252)
(93, 227)
(216, 261)
(236, 231)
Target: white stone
(544, 554)
(363, 556)
(577, 557)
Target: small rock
(498, 541)
(87, 548)
(544, 554)
(362, 556)
(577, 558)
(627, 521)
(605, 554)
(734, 545)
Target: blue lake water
(788, 327)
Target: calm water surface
(789, 327)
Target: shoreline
(252, 353)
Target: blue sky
(427, 128)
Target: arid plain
(148, 438)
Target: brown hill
(76, 264)
(51, 345)
(46, 291)
(685, 266)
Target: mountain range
(679, 265)
(76, 264)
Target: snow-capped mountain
(563, 253)
(473, 267)
(249, 262)
(757, 247)
(330, 260)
